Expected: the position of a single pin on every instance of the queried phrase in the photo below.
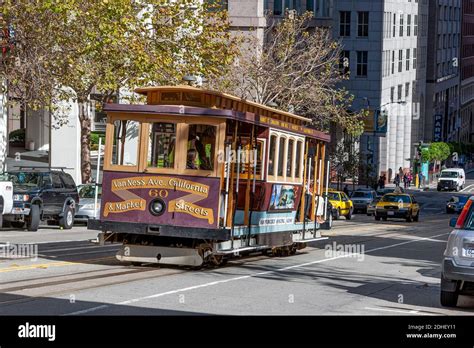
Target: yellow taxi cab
(341, 205)
(397, 205)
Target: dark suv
(42, 194)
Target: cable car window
(201, 147)
(271, 157)
(281, 155)
(289, 160)
(126, 139)
(299, 148)
(162, 145)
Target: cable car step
(310, 240)
(238, 250)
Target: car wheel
(67, 220)
(417, 217)
(377, 218)
(409, 218)
(439, 189)
(449, 299)
(337, 214)
(349, 216)
(384, 218)
(33, 221)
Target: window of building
(407, 59)
(407, 89)
(162, 145)
(415, 23)
(408, 25)
(394, 25)
(125, 146)
(400, 60)
(201, 147)
(414, 58)
(363, 24)
(345, 23)
(401, 25)
(392, 94)
(362, 61)
(399, 92)
(393, 62)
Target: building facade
(467, 73)
(385, 46)
(442, 121)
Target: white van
(452, 179)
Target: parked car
(86, 209)
(42, 194)
(362, 198)
(372, 206)
(396, 205)
(457, 275)
(451, 179)
(341, 205)
(6, 198)
(456, 204)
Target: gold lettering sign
(185, 205)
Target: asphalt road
(395, 271)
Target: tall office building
(467, 73)
(385, 44)
(442, 122)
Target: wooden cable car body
(197, 176)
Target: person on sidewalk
(346, 190)
(397, 180)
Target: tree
(436, 153)
(297, 68)
(345, 161)
(107, 45)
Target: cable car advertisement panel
(160, 199)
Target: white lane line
(45, 242)
(93, 309)
(407, 311)
(467, 187)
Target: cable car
(196, 177)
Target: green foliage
(439, 151)
(17, 136)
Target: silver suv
(457, 276)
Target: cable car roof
(204, 98)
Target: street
(395, 271)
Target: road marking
(190, 288)
(14, 268)
(53, 241)
(407, 311)
(465, 189)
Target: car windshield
(88, 191)
(449, 174)
(25, 179)
(333, 196)
(396, 198)
(361, 194)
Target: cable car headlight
(157, 207)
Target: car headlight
(21, 197)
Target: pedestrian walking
(405, 181)
(397, 180)
(346, 190)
